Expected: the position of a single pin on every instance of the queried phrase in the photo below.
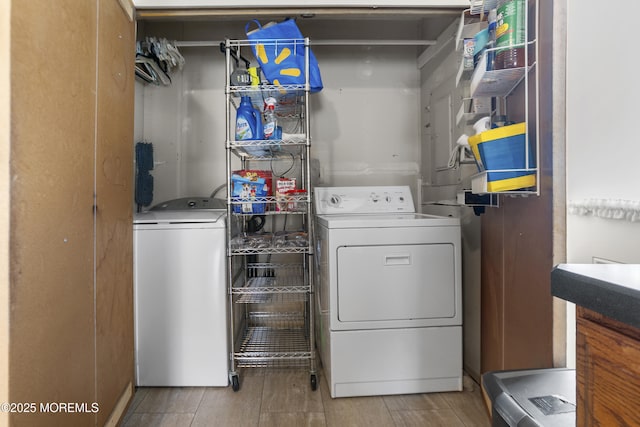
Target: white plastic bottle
(270, 120)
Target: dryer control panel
(363, 200)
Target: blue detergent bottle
(248, 121)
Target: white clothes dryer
(388, 293)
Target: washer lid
(191, 203)
(196, 216)
(386, 220)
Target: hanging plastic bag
(279, 49)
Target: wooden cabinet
(607, 371)
(70, 300)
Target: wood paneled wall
(517, 249)
(71, 329)
(607, 371)
(113, 214)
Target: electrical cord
(216, 190)
(281, 175)
(455, 156)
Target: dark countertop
(612, 290)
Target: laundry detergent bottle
(248, 121)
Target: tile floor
(283, 397)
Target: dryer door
(408, 285)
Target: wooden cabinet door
(113, 213)
(608, 374)
(71, 337)
(51, 345)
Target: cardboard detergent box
(283, 187)
(250, 189)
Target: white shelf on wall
(478, 7)
(480, 183)
(468, 114)
(468, 30)
(499, 83)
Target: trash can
(532, 397)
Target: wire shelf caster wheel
(235, 384)
(314, 382)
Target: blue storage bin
(501, 152)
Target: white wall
(438, 77)
(186, 124)
(602, 134)
(365, 124)
(602, 128)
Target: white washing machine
(180, 298)
(388, 293)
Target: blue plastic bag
(279, 49)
